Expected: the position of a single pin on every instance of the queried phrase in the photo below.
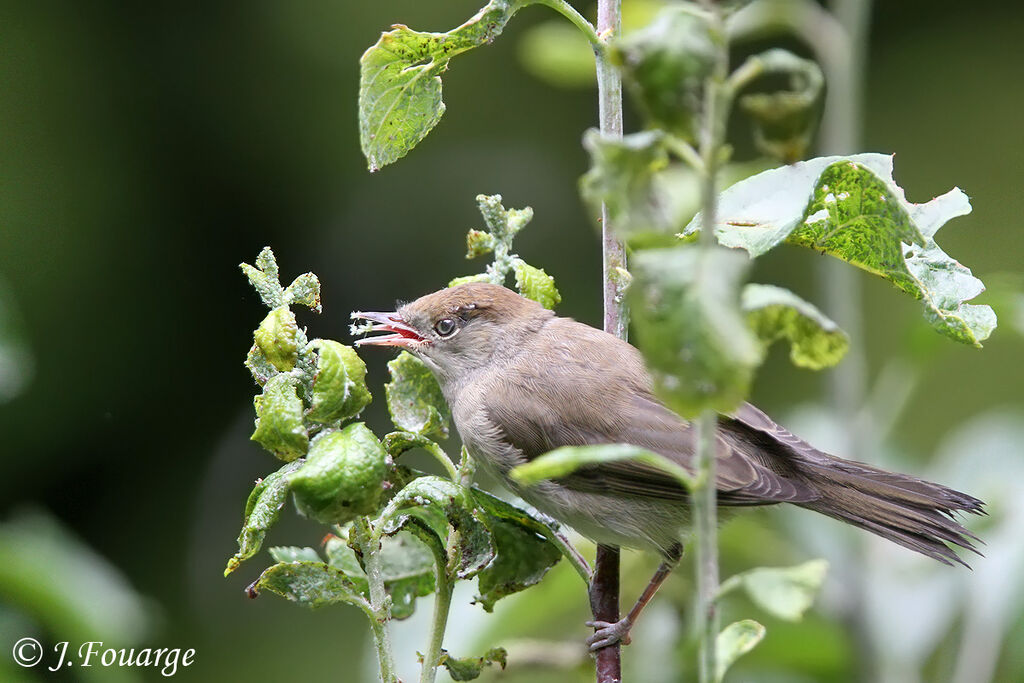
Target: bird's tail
(915, 513)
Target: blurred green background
(147, 148)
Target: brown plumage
(521, 381)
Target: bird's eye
(445, 327)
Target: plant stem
(570, 13)
(442, 603)
(380, 601)
(604, 588)
(704, 496)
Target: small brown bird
(522, 381)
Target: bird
(521, 381)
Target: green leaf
(776, 313)
(558, 54)
(535, 284)
(736, 640)
(305, 291)
(313, 584)
(279, 426)
(259, 366)
(339, 387)
(631, 176)
(262, 509)
(664, 66)
(522, 553)
(264, 278)
(277, 338)
(433, 503)
(342, 477)
(407, 565)
(785, 592)
(470, 668)
(400, 81)
(784, 121)
(479, 277)
(341, 556)
(503, 224)
(685, 305)
(857, 213)
(479, 243)
(564, 461)
(414, 398)
(291, 553)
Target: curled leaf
(736, 640)
(264, 278)
(339, 387)
(262, 509)
(535, 284)
(279, 426)
(277, 338)
(470, 668)
(305, 291)
(776, 313)
(342, 477)
(312, 584)
(414, 398)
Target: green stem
(704, 497)
(380, 601)
(442, 457)
(577, 19)
(442, 604)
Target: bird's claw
(609, 633)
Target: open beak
(402, 335)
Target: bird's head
(458, 330)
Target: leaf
(279, 426)
(339, 386)
(414, 398)
(264, 278)
(558, 54)
(736, 640)
(522, 554)
(664, 66)
(277, 338)
(857, 213)
(304, 290)
(470, 668)
(564, 461)
(535, 284)
(785, 592)
(479, 277)
(342, 477)
(685, 305)
(313, 584)
(776, 313)
(431, 503)
(408, 568)
(400, 81)
(503, 224)
(262, 509)
(785, 121)
(293, 553)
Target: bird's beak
(402, 335)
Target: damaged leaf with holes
(856, 212)
(414, 398)
(400, 81)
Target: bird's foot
(608, 633)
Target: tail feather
(915, 513)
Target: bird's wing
(578, 402)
